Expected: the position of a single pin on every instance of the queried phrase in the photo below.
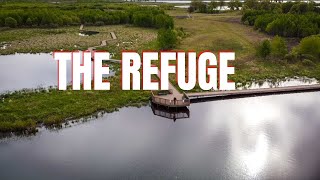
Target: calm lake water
(20, 71)
(270, 137)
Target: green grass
(22, 111)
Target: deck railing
(171, 103)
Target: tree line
(214, 6)
(43, 16)
(308, 50)
(291, 19)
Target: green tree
(212, 6)
(278, 47)
(232, 5)
(11, 22)
(163, 21)
(167, 39)
(310, 46)
(264, 49)
(203, 8)
(29, 22)
(196, 4)
(238, 4)
(251, 4)
(222, 3)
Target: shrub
(310, 46)
(251, 3)
(143, 19)
(264, 49)
(163, 21)
(262, 21)
(308, 63)
(99, 23)
(278, 47)
(203, 8)
(11, 22)
(287, 6)
(29, 22)
(301, 8)
(291, 58)
(167, 39)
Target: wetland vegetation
(138, 30)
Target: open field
(224, 31)
(35, 40)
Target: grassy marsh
(36, 40)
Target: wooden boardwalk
(103, 43)
(172, 99)
(262, 91)
(113, 35)
(184, 99)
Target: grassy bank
(23, 111)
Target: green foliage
(308, 63)
(163, 21)
(231, 5)
(195, 4)
(222, 3)
(251, 4)
(286, 7)
(250, 16)
(142, 19)
(264, 49)
(287, 25)
(262, 22)
(10, 22)
(29, 22)
(212, 5)
(203, 8)
(48, 15)
(310, 46)
(278, 47)
(301, 8)
(167, 39)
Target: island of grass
(24, 111)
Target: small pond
(19, 71)
(88, 33)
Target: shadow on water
(170, 113)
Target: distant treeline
(55, 15)
(214, 6)
(291, 19)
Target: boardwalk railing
(170, 103)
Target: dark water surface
(270, 137)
